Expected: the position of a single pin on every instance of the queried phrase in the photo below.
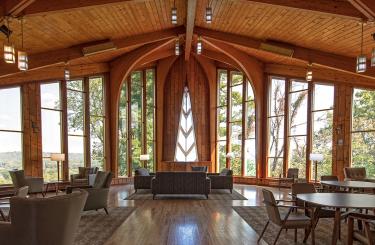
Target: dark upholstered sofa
(142, 179)
(181, 183)
(222, 180)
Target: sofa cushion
(142, 172)
(226, 172)
(199, 168)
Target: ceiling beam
(332, 61)
(14, 8)
(332, 7)
(366, 7)
(65, 55)
(221, 57)
(190, 22)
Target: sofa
(181, 183)
(142, 179)
(222, 180)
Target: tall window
(51, 127)
(235, 123)
(363, 130)
(76, 124)
(10, 132)
(97, 120)
(322, 125)
(137, 122)
(276, 120)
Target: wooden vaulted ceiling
(316, 26)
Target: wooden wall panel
(199, 92)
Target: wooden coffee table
(55, 184)
(338, 201)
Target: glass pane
(150, 136)
(276, 137)
(249, 92)
(150, 151)
(136, 118)
(322, 141)
(76, 153)
(50, 170)
(76, 112)
(51, 132)
(75, 85)
(237, 78)
(97, 142)
(275, 167)
(363, 117)
(250, 160)
(236, 147)
(363, 152)
(150, 87)
(96, 96)
(10, 109)
(50, 95)
(297, 154)
(298, 113)
(277, 97)
(222, 123)
(10, 154)
(221, 155)
(298, 85)
(236, 97)
(323, 91)
(223, 85)
(123, 122)
(250, 119)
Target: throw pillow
(142, 172)
(226, 172)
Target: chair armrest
(363, 217)
(213, 174)
(75, 176)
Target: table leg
(57, 188)
(337, 223)
(46, 190)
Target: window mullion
(86, 132)
(229, 115)
(286, 127)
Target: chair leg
(264, 229)
(278, 235)
(231, 191)
(350, 231)
(106, 211)
(295, 235)
(2, 215)
(313, 236)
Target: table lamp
(58, 157)
(316, 157)
(144, 158)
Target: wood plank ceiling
(332, 33)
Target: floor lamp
(58, 157)
(144, 158)
(316, 158)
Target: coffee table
(56, 185)
(338, 201)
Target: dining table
(338, 201)
(350, 184)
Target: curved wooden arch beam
(154, 56)
(120, 69)
(209, 68)
(253, 69)
(220, 57)
(163, 68)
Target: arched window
(235, 113)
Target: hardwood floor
(186, 222)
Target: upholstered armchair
(98, 192)
(85, 176)
(222, 180)
(142, 179)
(35, 184)
(43, 221)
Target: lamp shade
(230, 155)
(316, 157)
(57, 157)
(144, 157)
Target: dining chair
(285, 221)
(366, 235)
(4, 203)
(326, 188)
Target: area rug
(96, 227)
(257, 218)
(214, 195)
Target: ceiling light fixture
(66, 74)
(9, 52)
(309, 73)
(177, 47)
(23, 61)
(174, 14)
(208, 14)
(199, 45)
(373, 57)
(361, 59)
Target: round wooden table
(351, 184)
(338, 201)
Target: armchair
(43, 221)
(142, 179)
(98, 193)
(85, 176)
(19, 180)
(223, 180)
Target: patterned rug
(216, 194)
(96, 227)
(257, 218)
